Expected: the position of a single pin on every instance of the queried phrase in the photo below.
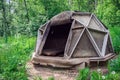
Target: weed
(83, 74)
(51, 78)
(96, 75)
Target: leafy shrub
(83, 74)
(114, 65)
(113, 76)
(115, 33)
(13, 57)
(96, 75)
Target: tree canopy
(26, 16)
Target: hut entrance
(56, 40)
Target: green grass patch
(14, 55)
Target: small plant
(83, 74)
(38, 78)
(51, 78)
(96, 76)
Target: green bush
(13, 57)
(114, 65)
(83, 74)
(96, 75)
(112, 76)
(115, 33)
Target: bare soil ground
(35, 71)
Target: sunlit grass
(14, 55)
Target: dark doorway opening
(56, 40)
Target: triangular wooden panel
(98, 37)
(75, 36)
(84, 19)
(109, 48)
(77, 25)
(94, 24)
(84, 48)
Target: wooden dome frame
(88, 41)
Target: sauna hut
(72, 38)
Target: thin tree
(70, 4)
(78, 1)
(5, 22)
(27, 15)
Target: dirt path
(35, 71)
(46, 72)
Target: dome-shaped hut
(72, 38)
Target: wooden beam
(99, 22)
(45, 34)
(77, 28)
(109, 37)
(104, 44)
(68, 40)
(89, 20)
(98, 30)
(80, 22)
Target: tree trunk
(5, 21)
(27, 15)
(95, 4)
(78, 1)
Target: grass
(13, 57)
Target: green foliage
(114, 65)
(51, 78)
(83, 74)
(109, 12)
(39, 11)
(38, 78)
(96, 75)
(13, 57)
(113, 76)
(115, 33)
(110, 76)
